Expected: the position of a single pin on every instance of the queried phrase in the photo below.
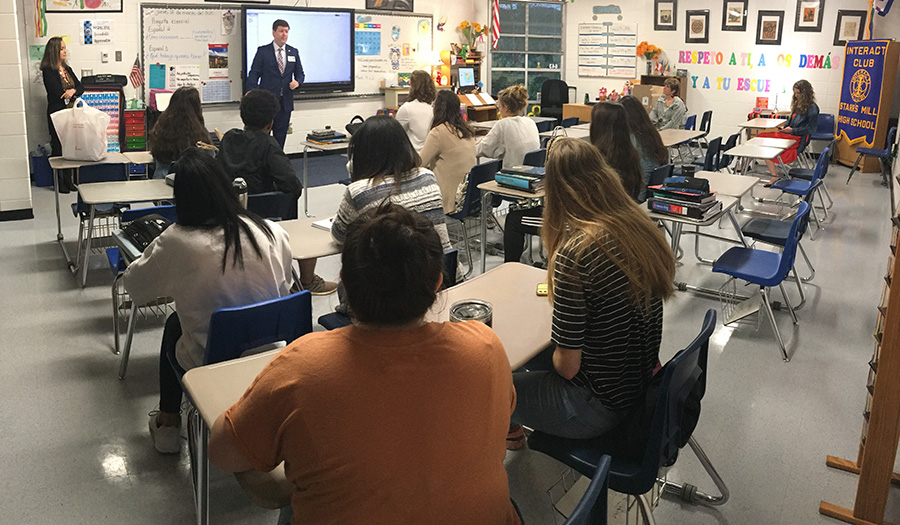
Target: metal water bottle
(239, 185)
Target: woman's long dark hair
(381, 148)
(51, 54)
(204, 199)
(643, 130)
(609, 133)
(446, 111)
(179, 127)
(800, 103)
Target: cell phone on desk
(542, 290)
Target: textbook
(533, 171)
(515, 181)
(324, 224)
(693, 212)
(692, 198)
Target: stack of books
(522, 178)
(683, 202)
(326, 136)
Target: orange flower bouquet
(471, 31)
(648, 51)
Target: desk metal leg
(485, 202)
(676, 235)
(126, 350)
(59, 234)
(87, 247)
(306, 181)
(199, 434)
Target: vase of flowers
(650, 53)
(471, 31)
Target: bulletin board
(607, 49)
(192, 45)
(388, 44)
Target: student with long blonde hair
(609, 271)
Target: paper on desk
(474, 100)
(324, 224)
(487, 98)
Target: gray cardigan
(668, 117)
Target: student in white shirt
(416, 113)
(514, 135)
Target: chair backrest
(706, 121)
(892, 133)
(554, 93)
(569, 122)
(821, 165)
(684, 373)
(479, 174)
(804, 142)
(798, 227)
(825, 124)
(591, 508)
(103, 172)
(809, 198)
(233, 331)
(273, 205)
(725, 160)
(166, 211)
(546, 125)
(451, 261)
(711, 161)
(535, 158)
(691, 122)
(660, 174)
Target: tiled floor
(76, 447)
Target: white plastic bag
(82, 131)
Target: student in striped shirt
(610, 269)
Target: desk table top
(763, 123)
(573, 132)
(727, 183)
(139, 157)
(772, 142)
(672, 137)
(113, 157)
(307, 241)
(495, 188)
(754, 151)
(125, 191)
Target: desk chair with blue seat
(232, 332)
(471, 208)
(273, 205)
(710, 161)
(767, 269)
(640, 448)
(109, 213)
(883, 155)
(545, 126)
(535, 158)
(569, 122)
(591, 508)
(724, 159)
(824, 128)
(801, 188)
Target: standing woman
(449, 149)
(804, 120)
(179, 127)
(670, 110)
(63, 87)
(609, 271)
(609, 133)
(645, 139)
(416, 113)
(514, 135)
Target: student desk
(307, 241)
(96, 193)
(760, 124)
(522, 320)
(748, 151)
(328, 149)
(487, 190)
(573, 132)
(140, 157)
(772, 142)
(487, 125)
(674, 137)
(59, 163)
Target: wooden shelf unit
(881, 418)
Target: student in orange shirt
(392, 419)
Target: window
(530, 50)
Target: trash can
(40, 167)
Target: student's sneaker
(320, 286)
(166, 440)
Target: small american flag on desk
(137, 74)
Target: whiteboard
(388, 44)
(192, 45)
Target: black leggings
(514, 232)
(169, 387)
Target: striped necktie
(280, 60)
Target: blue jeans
(548, 402)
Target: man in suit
(277, 68)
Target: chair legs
(646, 509)
(855, 165)
(689, 493)
(115, 311)
(198, 438)
(764, 297)
(812, 270)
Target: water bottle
(239, 185)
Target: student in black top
(252, 153)
(63, 87)
(804, 121)
(609, 270)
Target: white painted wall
(15, 188)
(126, 26)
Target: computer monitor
(467, 77)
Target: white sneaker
(166, 440)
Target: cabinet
(135, 130)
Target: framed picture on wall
(390, 5)
(769, 26)
(664, 15)
(734, 15)
(850, 25)
(696, 27)
(809, 15)
(84, 6)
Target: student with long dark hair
(416, 113)
(449, 148)
(804, 121)
(179, 127)
(217, 255)
(63, 87)
(645, 138)
(610, 135)
(393, 419)
(609, 270)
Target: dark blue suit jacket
(264, 73)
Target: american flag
(137, 74)
(495, 23)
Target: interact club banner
(864, 64)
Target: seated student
(670, 110)
(646, 140)
(514, 135)
(610, 135)
(390, 420)
(384, 167)
(804, 121)
(179, 127)
(217, 255)
(610, 269)
(416, 113)
(252, 153)
(450, 147)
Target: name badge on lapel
(292, 58)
